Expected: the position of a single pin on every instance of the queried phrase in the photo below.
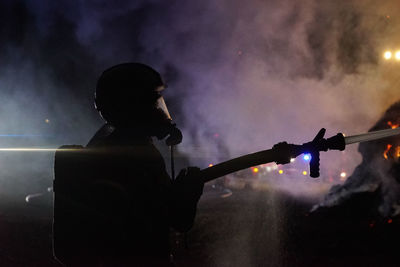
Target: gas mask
(169, 128)
(163, 107)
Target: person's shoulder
(101, 135)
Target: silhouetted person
(114, 201)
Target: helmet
(132, 82)
(127, 88)
(128, 94)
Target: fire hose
(281, 153)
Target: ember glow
(392, 125)
(386, 152)
(390, 151)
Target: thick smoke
(255, 73)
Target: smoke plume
(242, 75)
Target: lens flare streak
(29, 149)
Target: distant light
(307, 157)
(390, 221)
(292, 160)
(304, 173)
(343, 176)
(255, 170)
(268, 169)
(387, 55)
(397, 55)
(210, 165)
(47, 121)
(280, 171)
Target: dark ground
(249, 228)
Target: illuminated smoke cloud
(254, 72)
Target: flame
(393, 126)
(385, 153)
(387, 150)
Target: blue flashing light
(307, 157)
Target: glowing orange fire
(388, 152)
(385, 153)
(395, 153)
(392, 125)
